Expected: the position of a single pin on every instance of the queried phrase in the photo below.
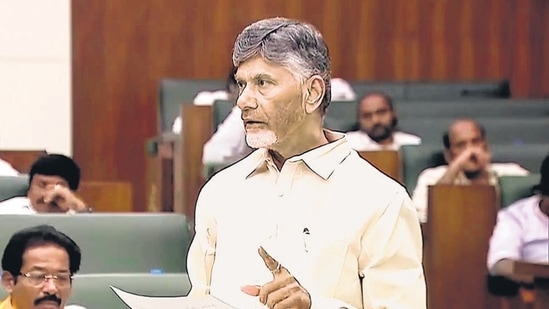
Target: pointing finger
(272, 264)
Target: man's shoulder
(403, 138)
(16, 206)
(509, 169)
(522, 205)
(239, 169)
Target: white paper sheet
(180, 302)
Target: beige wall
(35, 70)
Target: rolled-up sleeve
(505, 242)
(393, 275)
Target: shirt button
(280, 194)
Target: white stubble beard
(261, 139)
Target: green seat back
(416, 158)
(116, 243)
(525, 130)
(221, 109)
(514, 188)
(12, 186)
(174, 92)
(341, 116)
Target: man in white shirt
(377, 126)
(37, 268)
(522, 232)
(469, 162)
(53, 181)
(6, 169)
(302, 222)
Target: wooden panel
(121, 49)
(386, 161)
(197, 129)
(21, 160)
(461, 220)
(106, 196)
(160, 179)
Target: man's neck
(294, 147)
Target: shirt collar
(322, 160)
(6, 304)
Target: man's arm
(505, 245)
(201, 253)
(391, 258)
(427, 178)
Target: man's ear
(8, 281)
(314, 93)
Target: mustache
(48, 298)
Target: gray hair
(294, 45)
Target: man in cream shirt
(302, 222)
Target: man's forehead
(258, 67)
(43, 255)
(373, 101)
(49, 178)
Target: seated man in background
(377, 126)
(522, 232)
(53, 179)
(227, 143)
(469, 162)
(6, 169)
(37, 269)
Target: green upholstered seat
(221, 109)
(416, 158)
(116, 243)
(12, 186)
(174, 92)
(341, 116)
(514, 188)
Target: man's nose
(50, 287)
(246, 100)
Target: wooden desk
(107, 196)
(457, 234)
(21, 160)
(388, 161)
(540, 273)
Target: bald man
(468, 157)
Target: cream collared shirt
(360, 141)
(430, 177)
(363, 248)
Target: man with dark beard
(38, 264)
(377, 126)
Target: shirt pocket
(325, 261)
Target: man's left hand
(283, 292)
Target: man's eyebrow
(262, 76)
